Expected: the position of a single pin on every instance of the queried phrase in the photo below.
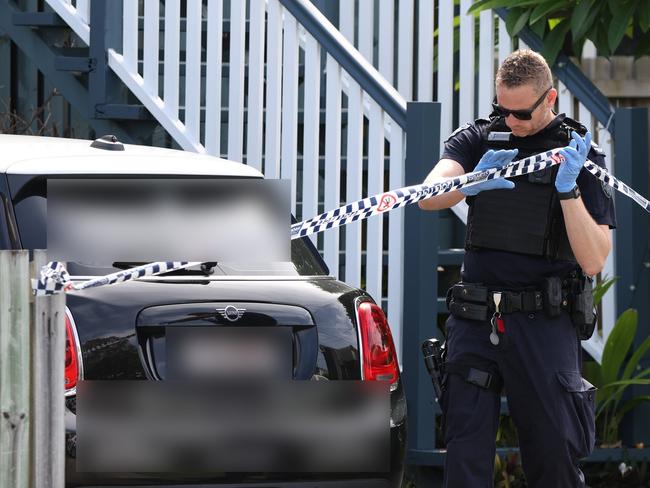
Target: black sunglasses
(520, 114)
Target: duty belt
(476, 302)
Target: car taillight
(378, 350)
(71, 358)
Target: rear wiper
(206, 268)
(126, 264)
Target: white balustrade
(505, 41)
(310, 159)
(386, 27)
(193, 36)
(466, 65)
(130, 37)
(171, 85)
(151, 37)
(255, 106)
(564, 100)
(289, 164)
(273, 90)
(354, 183)
(405, 49)
(332, 196)
(445, 68)
(213, 78)
(83, 10)
(366, 30)
(486, 62)
(236, 81)
(374, 227)
(425, 50)
(76, 15)
(395, 237)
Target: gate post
(632, 247)
(420, 274)
(48, 384)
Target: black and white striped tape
(55, 279)
(618, 185)
(378, 204)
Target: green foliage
(507, 432)
(565, 25)
(618, 344)
(508, 472)
(516, 20)
(554, 40)
(614, 474)
(601, 288)
(613, 376)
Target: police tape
(617, 184)
(384, 202)
(55, 279)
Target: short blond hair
(524, 67)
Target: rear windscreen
(29, 195)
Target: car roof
(59, 156)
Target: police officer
(531, 241)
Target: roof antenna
(108, 142)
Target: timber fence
(32, 348)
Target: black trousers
(550, 404)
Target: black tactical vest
(527, 219)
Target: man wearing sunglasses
(517, 316)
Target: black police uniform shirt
(513, 270)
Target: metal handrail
(337, 46)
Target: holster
(583, 313)
(467, 310)
(553, 296)
(434, 360)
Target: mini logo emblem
(387, 201)
(231, 313)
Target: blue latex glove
(492, 159)
(576, 155)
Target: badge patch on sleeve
(462, 127)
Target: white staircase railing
(264, 111)
(75, 13)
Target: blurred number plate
(229, 353)
(238, 426)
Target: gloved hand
(575, 155)
(492, 159)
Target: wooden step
(37, 19)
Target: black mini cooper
(325, 329)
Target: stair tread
(37, 19)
